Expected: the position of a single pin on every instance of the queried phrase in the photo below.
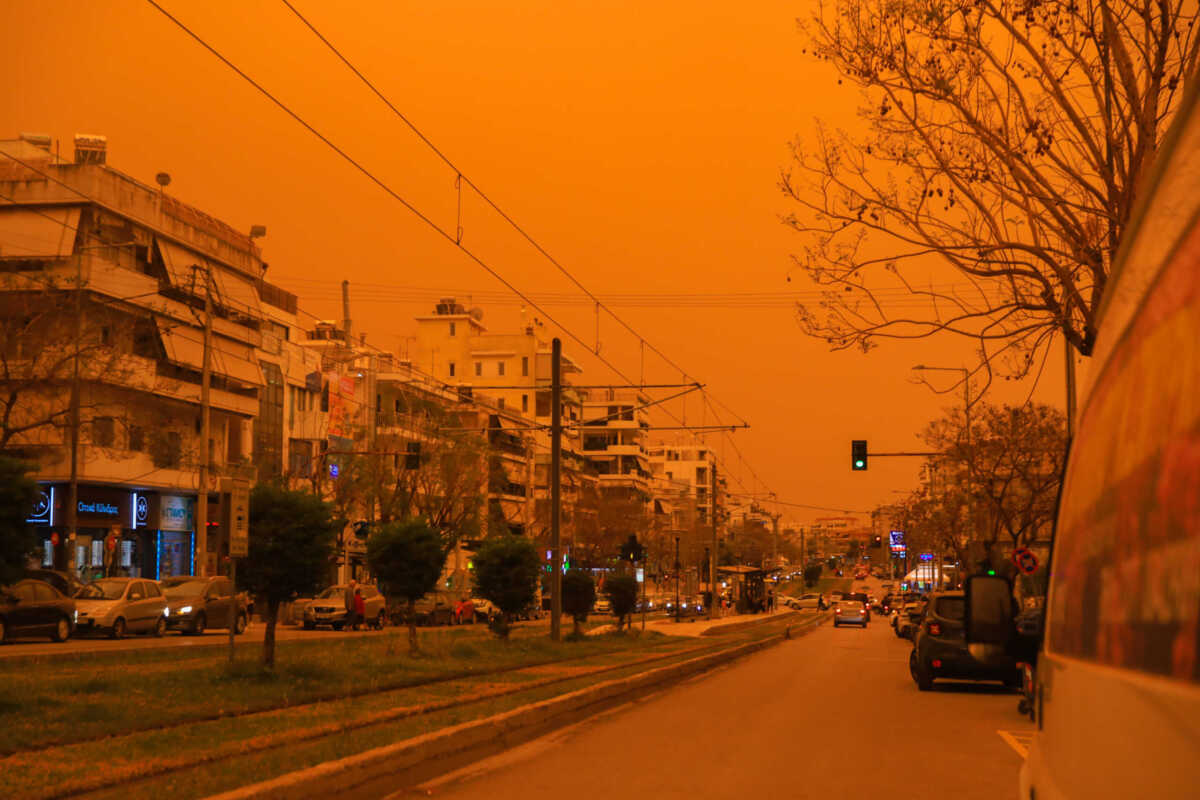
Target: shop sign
(141, 510)
(239, 517)
(175, 513)
(43, 507)
(102, 505)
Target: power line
(396, 196)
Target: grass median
(68, 725)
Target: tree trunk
(413, 649)
(268, 658)
(578, 631)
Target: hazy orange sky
(640, 143)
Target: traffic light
(858, 454)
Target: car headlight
(185, 610)
(75, 615)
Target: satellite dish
(476, 314)
(163, 179)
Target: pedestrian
(771, 601)
(360, 609)
(348, 601)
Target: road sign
(1026, 560)
(239, 518)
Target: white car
(807, 601)
(602, 606)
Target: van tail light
(837, 611)
(935, 629)
(937, 663)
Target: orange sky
(640, 144)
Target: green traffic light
(858, 464)
(991, 572)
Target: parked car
(67, 583)
(195, 604)
(850, 612)
(940, 648)
(485, 609)
(35, 608)
(909, 619)
(329, 608)
(121, 605)
(602, 606)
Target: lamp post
(677, 579)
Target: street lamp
(677, 579)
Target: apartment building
(103, 271)
(693, 465)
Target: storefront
(118, 532)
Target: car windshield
(950, 607)
(178, 587)
(103, 590)
(332, 591)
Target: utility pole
(677, 579)
(1071, 410)
(712, 561)
(555, 489)
(205, 405)
(73, 491)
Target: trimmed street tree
(622, 591)
(292, 538)
(407, 559)
(507, 572)
(579, 595)
(18, 540)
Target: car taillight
(935, 629)
(837, 611)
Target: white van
(1117, 693)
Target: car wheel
(239, 625)
(3, 631)
(61, 631)
(200, 625)
(380, 621)
(337, 626)
(160, 627)
(920, 672)
(118, 628)
(308, 626)
(837, 624)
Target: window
(501, 403)
(451, 369)
(543, 404)
(152, 590)
(500, 368)
(268, 426)
(105, 334)
(104, 431)
(397, 405)
(478, 367)
(233, 442)
(525, 366)
(525, 403)
(452, 328)
(137, 438)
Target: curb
(422, 757)
(733, 627)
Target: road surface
(830, 715)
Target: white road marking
(1018, 740)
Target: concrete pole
(1071, 409)
(73, 490)
(205, 407)
(712, 561)
(556, 489)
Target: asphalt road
(830, 715)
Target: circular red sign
(1026, 560)
(54, 539)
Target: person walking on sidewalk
(348, 601)
(771, 601)
(360, 608)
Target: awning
(185, 346)
(38, 233)
(230, 290)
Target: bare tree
(1005, 140)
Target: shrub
(507, 571)
(622, 592)
(578, 596)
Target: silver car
(807, 601)
(121, 605)
(849, 612)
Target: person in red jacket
(360, 608)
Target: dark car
(35, 608)
(940, 648)
(195, 604)
(66, 582)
